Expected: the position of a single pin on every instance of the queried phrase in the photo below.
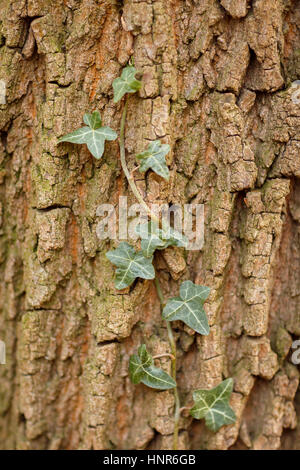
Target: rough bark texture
(216, 87)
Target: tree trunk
(217, 79)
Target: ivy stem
(154, 217)
(129, 175)
(184, 408)
(173, 366)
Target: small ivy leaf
(96, 139)
(173, 238)
(151, 238)
(141, 369)
(130, 265)
(93, 120)
(138, 362)
(155, 158)
(154, 238)
(213, 405)
(127, 83)
(93, 137)
(189, 307)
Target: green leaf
(172, 237)
(213, 405)
(154, 238)
(130, 265)
(151, 238)
(155, 158)
(189, 307)
(93, 134)
(93, 120)
(127, 83)
(142, 369)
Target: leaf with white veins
(93, 120)
(130, 265)
(127, 83)
(154, 157)
(213, 405)
(93, 135)
(151, 238)
(142, 369)
(154, 238)
(172, 237)
(189, 307)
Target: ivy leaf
(151, 238)
(142, 369)
(93, 120)
(130, 264)
(213, 405)
(172, 237)
(154, 238)
(93, 135)
(155, 158)
(189, 307)
(127, 83)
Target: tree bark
(217, 81)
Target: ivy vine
(211, 405)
